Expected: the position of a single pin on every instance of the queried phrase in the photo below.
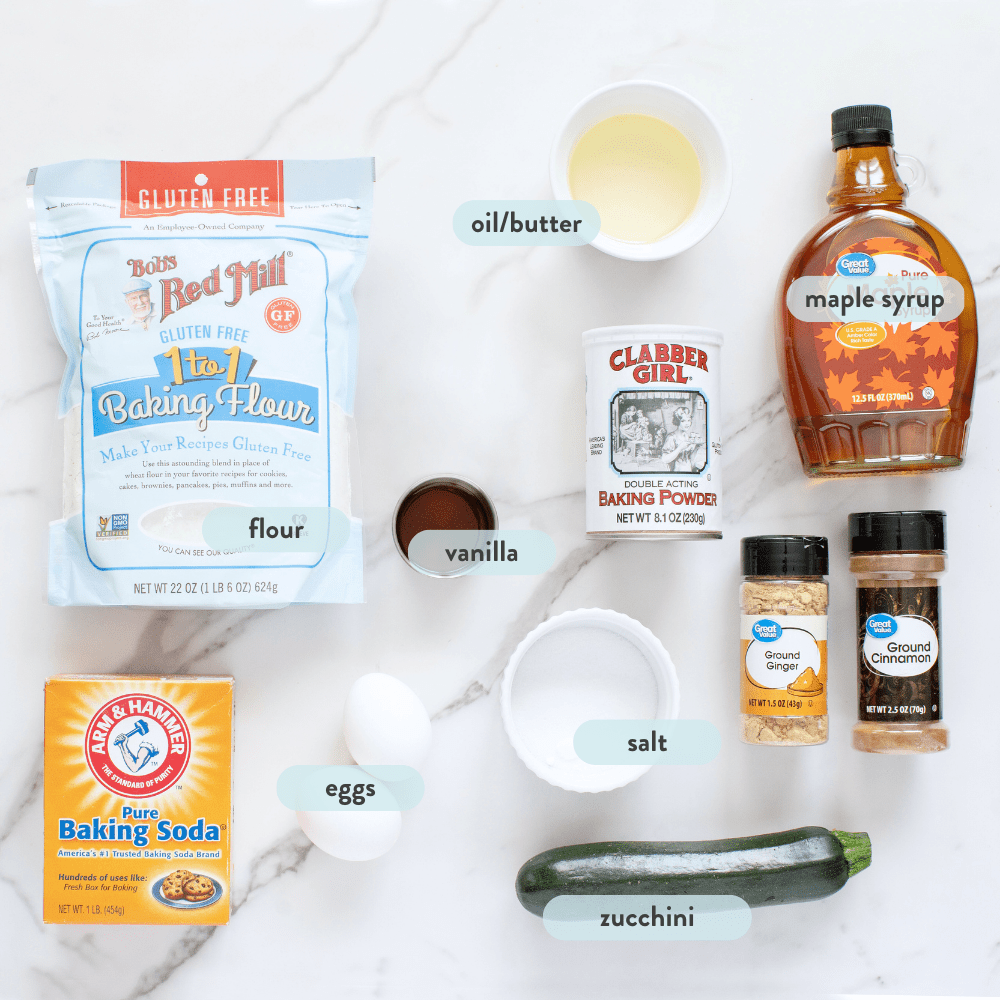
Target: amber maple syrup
(875, 322)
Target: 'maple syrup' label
(885, 318)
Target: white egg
(386, 723)
(352, 836)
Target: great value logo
(856, 265)
(881, 626)
(137, 745)
(766, 630)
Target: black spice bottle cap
(897, 531)
(862, 125)
(785, 555)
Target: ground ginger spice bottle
(896, 558)
(875, 322)
(783, 604)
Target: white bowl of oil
(652, 160)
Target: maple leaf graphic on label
(941, 382)
(834, 350)
(941, 339)
(840, 390)
(890, 390)
(900, 343)
(888, 244)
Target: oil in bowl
(641, 173)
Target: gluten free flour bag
(206, 313)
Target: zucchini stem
(857, 850)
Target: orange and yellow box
(138, 799)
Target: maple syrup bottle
(875, 322)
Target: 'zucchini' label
(647, 918)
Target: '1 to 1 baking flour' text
(207, 316)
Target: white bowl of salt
(583, 665)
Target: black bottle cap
(862, 125)
(785, 555)
(897, 531)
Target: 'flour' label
(654, 441)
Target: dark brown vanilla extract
(445, 503)
(875, 322)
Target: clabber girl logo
(137, 745)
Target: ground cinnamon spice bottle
(875, 322)
(896, 558)
(783, 604)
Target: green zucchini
(772, 868)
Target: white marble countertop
(465, 354)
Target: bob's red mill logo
(236, 187)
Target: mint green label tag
(276, 529)
(647, 918)
(647, 741)
(349, 788)
(526, 223)
(484, 553)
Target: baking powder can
(654, 432)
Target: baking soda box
(138, 799)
